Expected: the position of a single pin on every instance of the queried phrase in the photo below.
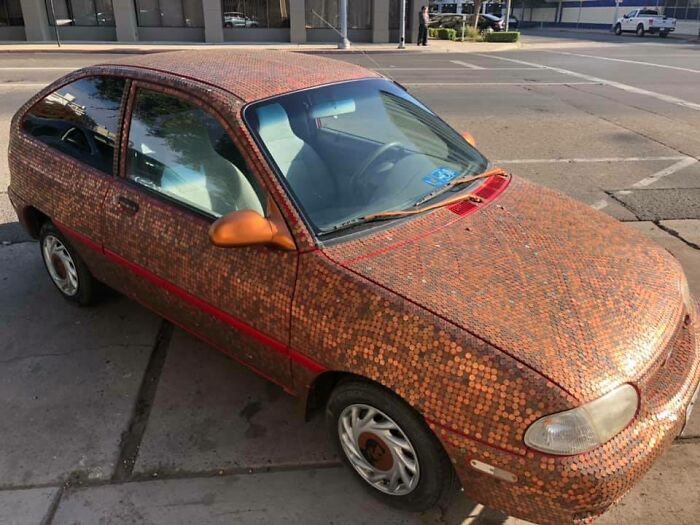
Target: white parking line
(37, 68)
(611, 83)
(22, 85)
(491, 84)
(637, 62)
(466, 64)
(391, 68)
(599, 159)
(684, 163)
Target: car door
(180, 170)
(628, 23)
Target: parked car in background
(235, 19)
(490, 23)
(641, 21)
(513, 23)
(487, 23)
(314, 221)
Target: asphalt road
(613, 122)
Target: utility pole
(507, 18)
(402, 25)
(55, 24)
(344, 42)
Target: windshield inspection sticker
(440, 176)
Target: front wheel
(66, 269)
(618, 29)
(640, 30)
(389, 447)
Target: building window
(255, 13)
(359, 14)
(395, 14)
(11, 13)
(81, 12)
(169, 13)
(682, 9)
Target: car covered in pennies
(313, 220)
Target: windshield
(359, 148)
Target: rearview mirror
(248, 228)
(469, 138)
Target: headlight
(584, 428)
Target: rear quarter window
(80, 119)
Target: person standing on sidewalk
(423, 20)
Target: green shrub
(432, 32)
(445, 33)
(469, 34)
(502, 36)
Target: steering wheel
(381, 150)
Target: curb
(443, 47)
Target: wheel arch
(33, 219)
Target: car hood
(567, 291)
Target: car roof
(250, 75)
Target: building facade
(212, 21)
(584, 14)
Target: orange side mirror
(248, 228)
(469, 138)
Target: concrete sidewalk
(434, 45)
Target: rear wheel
(618, 29)
(66, 269)
(640, 30)
(389, 447)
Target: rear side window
(80, 119)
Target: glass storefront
(255, 13)
(169, 13)
(80, 13)
(359, 14)
(11, 13)
(683, 9)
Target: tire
(663, 34)
(618, 29)
(432, 482)
(66, 269)
(640, 30)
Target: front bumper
(574, 489)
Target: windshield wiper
(415, 210)
(458, 181)
(352, 222)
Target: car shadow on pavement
(12, 232)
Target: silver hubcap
(378, 449)
(60, 265)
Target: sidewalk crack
(132, 437)
(674, 233)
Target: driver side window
(181, 151)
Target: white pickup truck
(642, 21)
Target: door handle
(127, 204)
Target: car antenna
(374, 62)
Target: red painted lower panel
(227, 318)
